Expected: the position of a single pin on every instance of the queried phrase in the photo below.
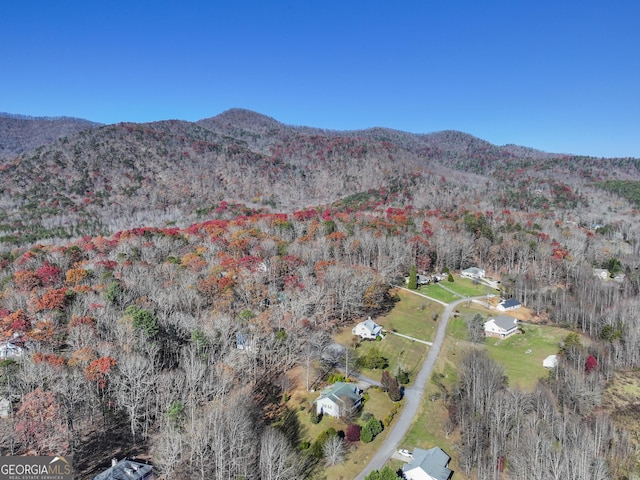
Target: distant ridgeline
(51, 119)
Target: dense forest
(135, 256)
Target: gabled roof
(512, 302)
(473, 270)
(339, 390)
(372, 326)
(505, 322)
(126, 470)
(433, 462)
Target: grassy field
(524, 369)
(428, 429)
(399, 352)
(466, 288)
(439, 293)
(622, 398)
(412, 315)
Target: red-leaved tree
(40, 425)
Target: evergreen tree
(413, 278)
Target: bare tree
(278, 461)
(135, 383)
(333, 450)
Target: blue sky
(561, 76)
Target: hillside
(19, 133)
(100, 179)
(168, 283)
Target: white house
(502, 326)
(550, 362)
(9, 350)
(473, 272)
(367, 329)
(429, 464)
(5, 407)
(601, 273)
(338, 399)
(510, 304)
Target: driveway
(413, 396)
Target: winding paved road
(412, 394)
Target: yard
(378, 404)
(413, 316)
(459, 288)
(522, 354)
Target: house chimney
(114, 461)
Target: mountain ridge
(102, 178)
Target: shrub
(370, 430)
(353, 433)
(314, 416)
(402, 377)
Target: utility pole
(346, 364)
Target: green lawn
(466, 288)
(399, 352)
(412, 315)
(428, 429)
(524, 369)
(439, 293)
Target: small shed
(550, 362)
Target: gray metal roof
(505, 322)
(433, 461)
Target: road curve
(412, 395)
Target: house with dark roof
(503, 326)
(368, 329)
(338, 399)
(429, 464)
(508, 304)
(127, 470)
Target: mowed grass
(525, 369)
(439, 293)
(466, 288)
(399, 352)
(412, 316)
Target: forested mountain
(106, 178)
(19, 133)
(135, 256)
